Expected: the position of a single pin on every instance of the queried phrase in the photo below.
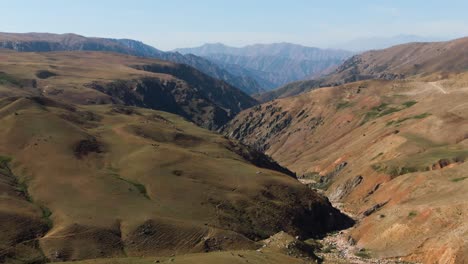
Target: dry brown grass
(389, 142)
(139, 182)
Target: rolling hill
(97, 78)
(47, 42)
(108, 181)
(272, 65)
(406, 61)
(392, 153)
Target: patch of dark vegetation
(394, 171)
(125, 110)
(459, 179)
(257, 158)
(46, 214)
(452, 158)
(398, 171)
(399, 121)
(6, 79)
(22, 189)
(138, 186)
(421, 116)
(409, 104)
(86, 146)
(19, 186)
(178, 172)
(44, 74)
(363, 253)
(4, 167)
(5, 159)
(47, 102)
(412, 214)
(82, 118)
(382, 110)
(343, 105)
(377, 167)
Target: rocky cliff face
(183, 98)
(393, 152)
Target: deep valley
(112, 151)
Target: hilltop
(47, 42)
(100, 78)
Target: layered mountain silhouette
(272, 65)
(399, 62)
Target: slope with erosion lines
(392, 152)
(121, 181)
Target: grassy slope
(76, 76)
(209, 258)
(400, 126)
(145, 183)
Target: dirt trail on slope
(438, 87)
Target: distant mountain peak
(272, 65)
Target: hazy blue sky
(175, 23)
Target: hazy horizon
(180, 24)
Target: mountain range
(398, 62)
(388, 140)
(272, 65)
(112, 151)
